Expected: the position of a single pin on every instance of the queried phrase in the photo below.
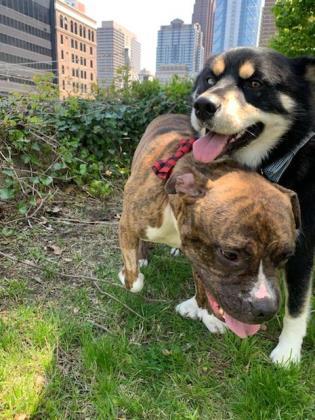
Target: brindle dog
(235, 227)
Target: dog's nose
(264, 309)
(204, 109)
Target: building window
(73, 72)
(81, 32)
(92, 36)
(75, 28)
(76, 44)
(61, 21)
(62, 55)
(77, 59)
(63, 85)
(92, 77)
(84, 32)
(72, 58)
(71, 26)
(61, 39)
(89, 35)
(85, 61)
(63, 69)
(77, 73)
(91, 50)
(66, 23)
(91, 64)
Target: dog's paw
(188, 309)
(175, 252)
(213, 324)
(285, 354)
(143, 262)
(137, 285)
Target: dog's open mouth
(212, 145)
(239, 328)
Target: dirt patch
(72, 237)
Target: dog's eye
(229, 255)
(210, 81)
(255, 84)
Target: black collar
(275, 170)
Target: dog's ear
(294, 203)
(305, 67)
(188, 185)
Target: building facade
(204, 15)
(145, 75)
(27, 43)
(268, 26)
(250, 19)
(219, 26)
(179, 50)
(117, 47)
(236, 24)
(76, 49)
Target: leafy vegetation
(45, 142)
(295, 22)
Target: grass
(69, 351)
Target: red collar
(164, 168)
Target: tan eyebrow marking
(246, 70)
(218, 66)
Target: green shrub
(44, 142)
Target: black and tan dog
(235, 227)
(256, 106)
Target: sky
(143, 18)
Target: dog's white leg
(143, 262)
(290, 342)
(175, 252)
(137, 285)
(190, 309)
(130, 275)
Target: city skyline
(143, 19)
(71, 52)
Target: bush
(44, 142)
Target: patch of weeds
(266, 392)
(26, 351)
(14, 289)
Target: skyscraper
(268, 26)
(116, 47)
(27, 43)
(76, 49)
(219, 26)
(236, 23)
(179, 50)
(249, 22)
(204, 15)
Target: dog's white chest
(168, 232)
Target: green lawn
(68, 350)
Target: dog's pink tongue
(240, 328)
(209, 147)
